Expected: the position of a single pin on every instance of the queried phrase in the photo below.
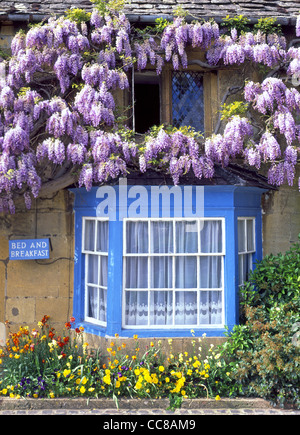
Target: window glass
(161, 308)
(137, 272)
(187, 237)
(169, 282)
(187, 100)
(89, 235)
(95, 248)
(162, 237)
(211, 236)
(246, 247)
(137, 237)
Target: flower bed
(40, 363)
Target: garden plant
(39, 363)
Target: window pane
(210, 272)
(186, 272)
(161, 272)
(250, 235)
(187, 100)
(187, 237)
(245, 265)
(211, 236)
(210, 308)
(102, 304)
(162, 237)
(93, 269)
(137, 237)
(93, 302)
(103, 270)
(186, 308)
(89, 236)
(241, 235)
(96, 308)
(102, 236)
(161, 308)
(136, 272)
(136, 308)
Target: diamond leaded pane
(187, 100)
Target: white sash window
(95, 250)
(246, 246)
(173, 272)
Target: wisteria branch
(58, 115)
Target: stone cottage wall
(29, 289)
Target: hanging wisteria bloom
(61, 90)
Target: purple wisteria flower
(298, 26)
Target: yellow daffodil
(138, 385)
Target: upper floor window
(187, 99)
(147, 101)
(177, 99)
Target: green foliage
(105, 7)
(157, 29)
(268, 26)
(78, 15)
(275, 280)
(161, 24)
(179, 11)
(235, 108)
(239, 22)
(264, 355)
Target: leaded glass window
(187, 99)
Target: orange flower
(44, 319)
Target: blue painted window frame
(228, 202)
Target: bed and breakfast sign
(29, 249)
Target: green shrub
(265, 357)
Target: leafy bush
(265, 357)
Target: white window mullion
(92, 252)
(187, 266)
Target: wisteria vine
(58, 112)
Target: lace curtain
(179, 288)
